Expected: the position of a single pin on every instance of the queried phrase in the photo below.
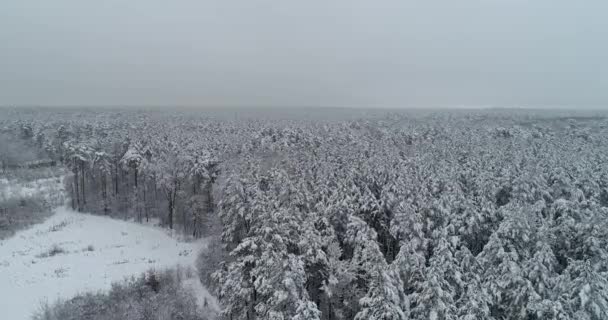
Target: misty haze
(322, 160)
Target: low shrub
(18, 214)
(53, 251)
(58, 226)
(150, 296)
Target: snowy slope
(98, 251)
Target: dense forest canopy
(486, 214)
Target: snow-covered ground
(96, 252)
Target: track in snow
(98, 251)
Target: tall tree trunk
(172, 202)
(255, 299)
(104, 194)
(155, 187)
(84, 199)
(116, 180)
(145, 203)
(209, 187)
(185, 225)
(136, 196)
(195, 224)
(170, 213)
(77, 187)
(73, 197)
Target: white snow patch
(97, 251)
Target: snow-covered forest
(468, 214)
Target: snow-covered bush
(150, 296)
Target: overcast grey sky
(381, 53)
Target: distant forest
(487, 214)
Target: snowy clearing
(73, 252)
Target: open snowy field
(73, 252)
